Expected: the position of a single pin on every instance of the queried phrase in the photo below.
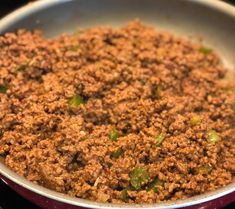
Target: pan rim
(9, 174)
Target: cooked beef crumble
(116, 115)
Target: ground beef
(116, 115)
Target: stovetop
(8, 198)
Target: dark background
(8, 198)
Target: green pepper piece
(195, 120)
(4, 154)
(204, 169)
(205, 50)
(154, 183)
(22, 68)
(75, 101)
(158, 92)
(155, 189)
(109, 165)
(3, 89)
(139, 177)
(124, 195)
(117, 153)
(74, 48)
(213, 137)
(160, 138)
(113, 134)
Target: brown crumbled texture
(135, 79)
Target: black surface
(11, 200)
(8, 198)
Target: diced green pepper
(160, 138)
(204, 169)
(113, 134)
(75, 33)
(213, 137)
(124, 195)
(22, 68)
(4, 154)
(3, 89)
(109, 165)
(155, 189)
(75, 101)
(158, 92)
(117, 153)
(139, 177)
(154, 183)
(205, 50)
(195, 120)
(74, 48)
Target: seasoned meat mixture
(116, 115)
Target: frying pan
(209, 21)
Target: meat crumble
(130, 115)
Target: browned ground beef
(137, 86)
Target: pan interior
(210, 25)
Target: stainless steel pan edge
(22, 12)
